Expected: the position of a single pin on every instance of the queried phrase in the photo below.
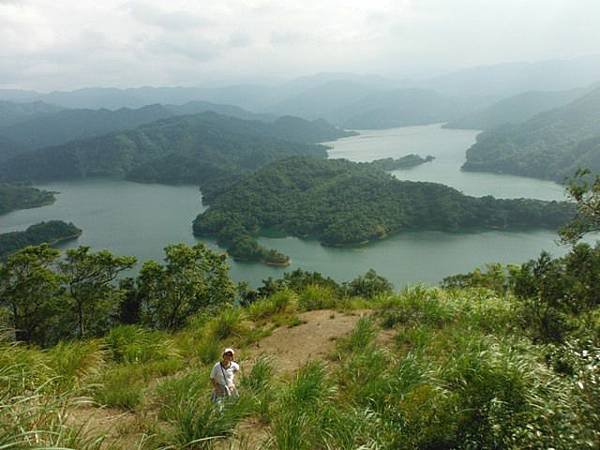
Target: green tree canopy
(192, 279)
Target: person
(222, 376)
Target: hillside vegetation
(206, 144)
(61, 126)
(340, 203)
(456, 368)
(552, 145)
(516, 109)
(14, 197)
(51, 232)
(501, 358)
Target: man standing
(222, 375)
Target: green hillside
(516, 109)
(343, 203)
(66, 125)
(208, 141)
(72, 124)
(496, 360)
(14, 197)
(552, 145)
(50, 232)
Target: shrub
(133, 344)
(74, 361)
(121, 386)
(316, 296)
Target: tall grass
(315, 296)
(280, 302)
(134, 344)
(196, 422)
(33, 412)
(75, 362)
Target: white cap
(228, 350)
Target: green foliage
(203, 148)
(345, 203)
(36, 404)
(193, 279)
(88, 277)
(586, 194)
(361, 337)
(406, 162)
(195, 421)
(120, 386)
(494, 276)
(229, 323)
(369, 285)
(551, 145)
(316, 296)
(30, 290)
(75, 362)
(132, 344)
(280, 301)
(50, 232)
(22, 197)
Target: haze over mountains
(550, 145)
(135, 132)
(175, 150)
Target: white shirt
(224, 375)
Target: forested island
(342, 203)
(405, 162)
(51, 232)
(551, 145)
(17, 196)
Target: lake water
(141, 219)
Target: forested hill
(552, 145)
(59, 127)
(516, 109)
(71, 124)
(341, 202)
(50, 232)
(14, 197)
(198, 145)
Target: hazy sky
(64, 44)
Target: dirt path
(315, 338)
(290, 349)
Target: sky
(67, 44)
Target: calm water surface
(141, 219)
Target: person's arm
(218, 387)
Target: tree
(89, 283)
(586, 194)
(369, 285)
(192, 279)
(130, 306)
(30, 290)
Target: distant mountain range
(13, 112)
(516, 109)
(59, 127)
(551, 145)
(480, 86)
(175, 150)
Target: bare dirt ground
(315, 338)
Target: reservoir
(141, 219)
